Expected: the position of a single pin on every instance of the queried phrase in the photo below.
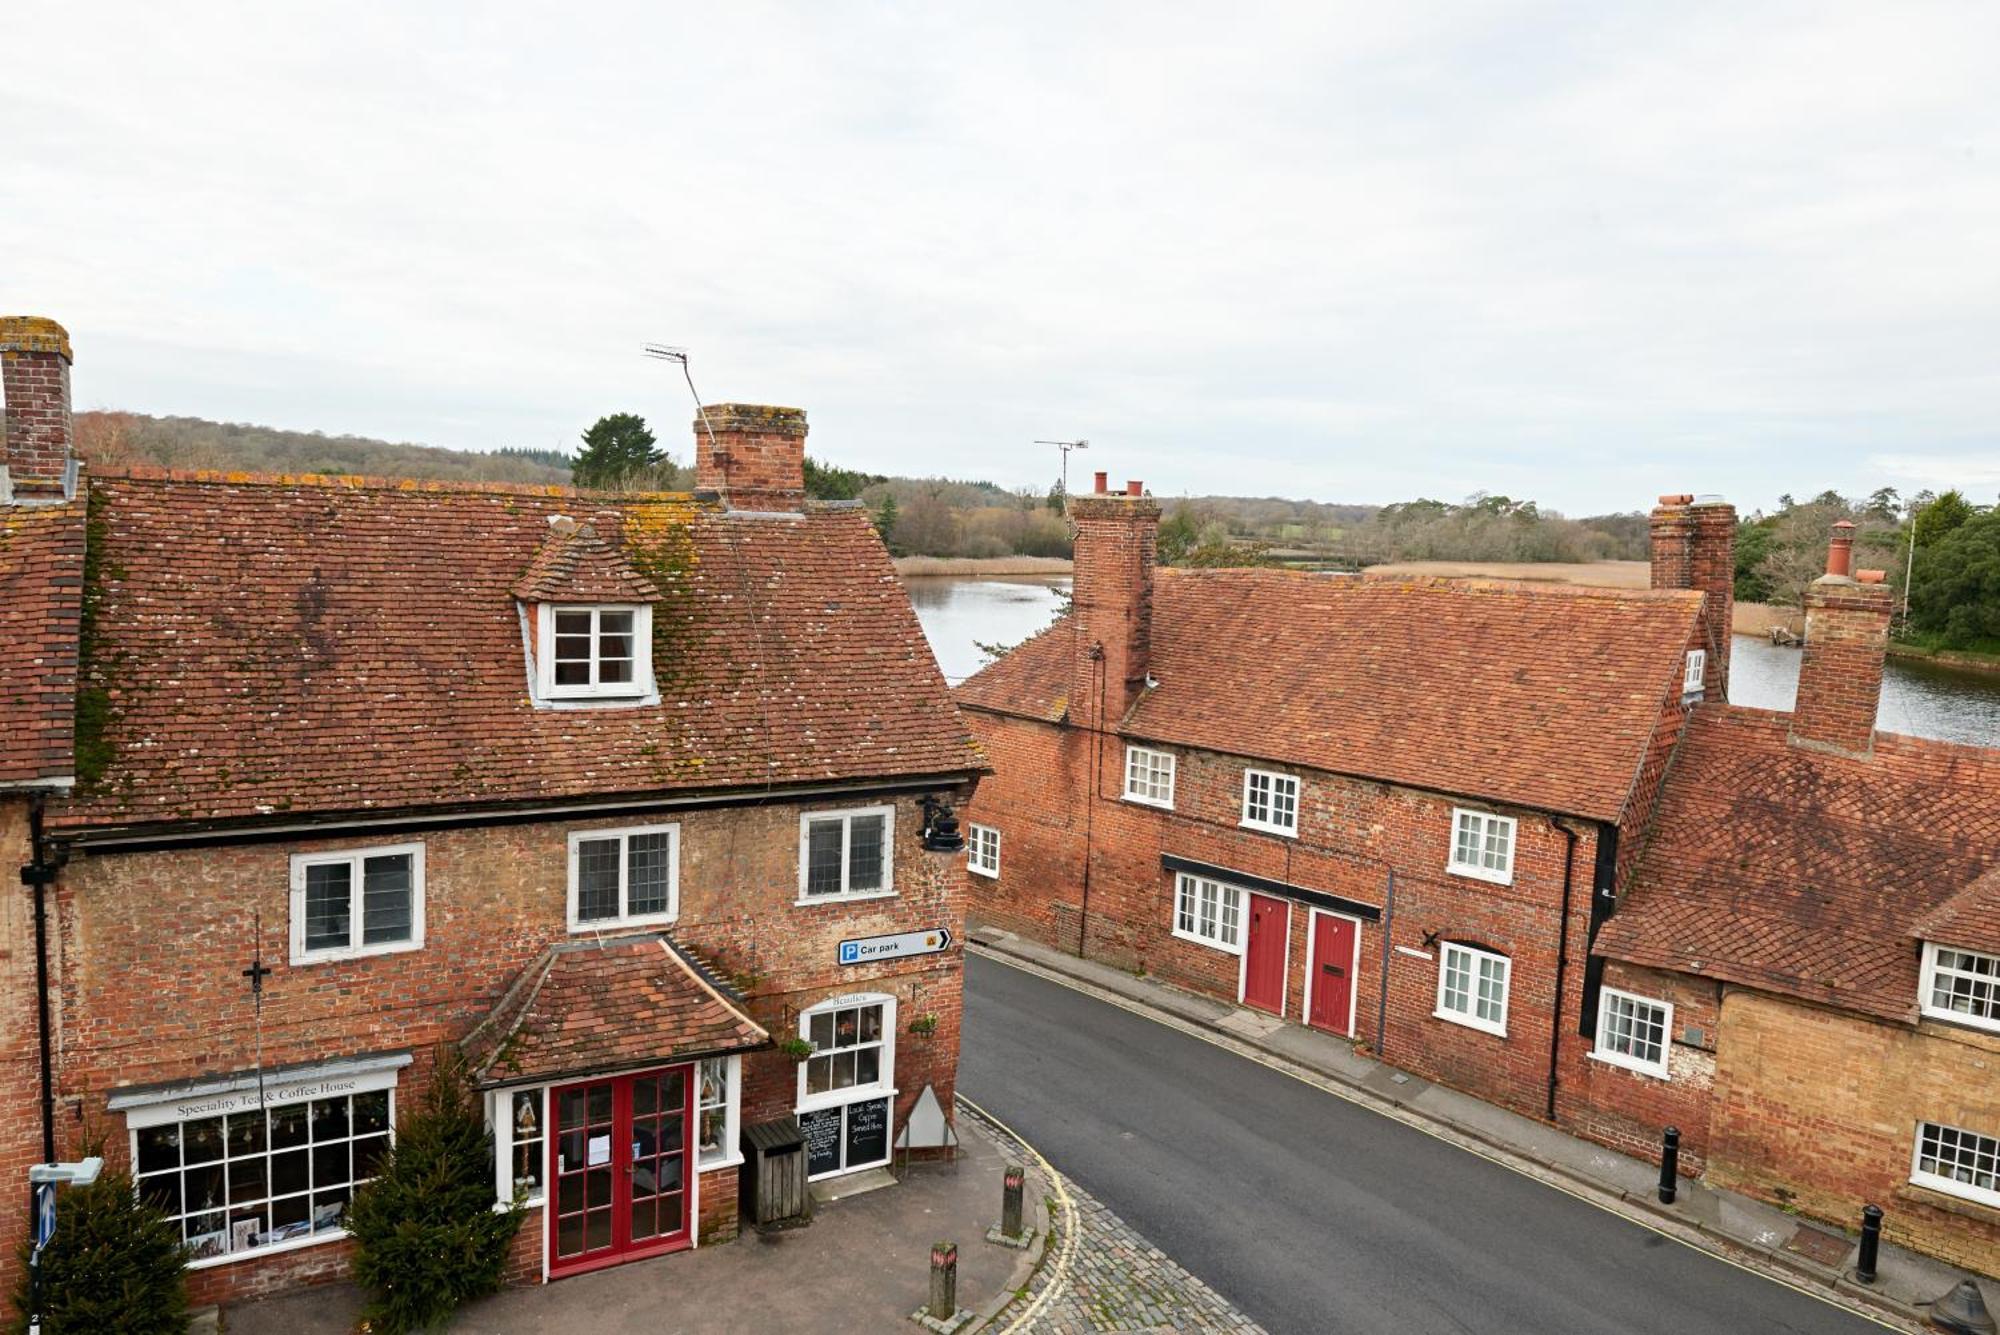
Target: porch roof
(590, 1006)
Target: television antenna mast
(667, 352)
(1066, 446)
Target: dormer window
(595, 652)
(1697, 668)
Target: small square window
(595, 652)
(1633, 1032)
(1270, 801)
(982, 850)
(624, 877)
(1962, 986)
(1149, 776)
(1472, 987)
(1697, 666)
(1482, 845)
(846, 854)
(367, 901)
(1209, 912)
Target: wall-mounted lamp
(941, 833)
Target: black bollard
(1670, 1165)
(1871, 1243)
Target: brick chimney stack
(757, 460)
(1847, 640)
(34, 382)
(1117, 546)
(1694, 547)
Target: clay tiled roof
(575, 564)
(41, 605)
(1802, 872)
(271, 646)
(1970, 918)
(586, 1006)
(1539, 694)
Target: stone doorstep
(853, 1184)
(1715, 1230)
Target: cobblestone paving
(1115, 1281)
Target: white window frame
(500, 1121)
(356, 859)
(1692, 676)
(847, 816)
(1471, 1019)
(1273, 778)
(1950, 1186)
(1478, 870)
(731, 1153)
(1932, 968)
(885, 1083)
(1601, 1053)
(625, 918)
(1157, 763)
(982, 851)
(1186, 883)
(641, 684)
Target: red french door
(1332, 975)
(619, 1164)
(1264, 956)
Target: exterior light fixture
(941, 832)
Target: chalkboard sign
(868, 1131)
(822, 1133)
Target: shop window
(621, 878)
(847, 1085)
(847, 854)
(365, 901)
(237, 1182)
(716, 1104)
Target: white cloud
(1359, 252)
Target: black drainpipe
(1562, 962)
(1090, 803)
(41, 874)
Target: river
(1917, 698)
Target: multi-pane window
(528, 1147)
(1472, 987)
(1482, 845)
(623, 876)
(1697, 665)
(715, 1111)
(1633, 1031)
(982, 850)
(1149, 776)
(363, 901)
(235, 1182)
(1209, 912)
(847, 1049)
(595, 651)
(1958, 1161)
(846, 853)
(1962, 985)
(1271, 801)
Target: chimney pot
(1103, 481)
(1870, 576)
(1840, 549)
(1677, 498)
(1135, 489)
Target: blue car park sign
(45, 1214)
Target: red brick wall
(1840, 675)
(1352, 833)
(20, 1052)
(152, 945)
(1117, 542)
(1628, 1110)
(757, 457)
(34, 381)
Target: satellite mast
(1066, 446)
(666, 352)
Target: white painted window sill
(1480, 874)
(1469, 1022)
(597, 926)
(1207, 941)
(715, 1165)
(269, 1249)
(1262, 827)
(1625, 1063)
(1154, 802)
(805, 901)
(992, 875)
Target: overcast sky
(1578, 252)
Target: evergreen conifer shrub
(114, 1264)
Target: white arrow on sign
(897, 945)
(45, 1214)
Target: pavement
(1209, 1129)
(861, 1266)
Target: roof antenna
(1066, 446)
(668, 353)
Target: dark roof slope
(1802, 872)
(587, 1006)
(41, 605)
(1970, 918)
(320, 644)
(1545, 695)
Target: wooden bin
(775, 1155)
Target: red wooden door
(1332, 982)
(619, 1165)
(1264, 957)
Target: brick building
(1393, 809)
(1514, 838)
(594, 787)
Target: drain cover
(1818, 1245)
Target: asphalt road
(1314, 1215)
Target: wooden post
(1010, 1200)
(944, 1281)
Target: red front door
(619, 1163)
(1332, 980)
(1264, 957)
